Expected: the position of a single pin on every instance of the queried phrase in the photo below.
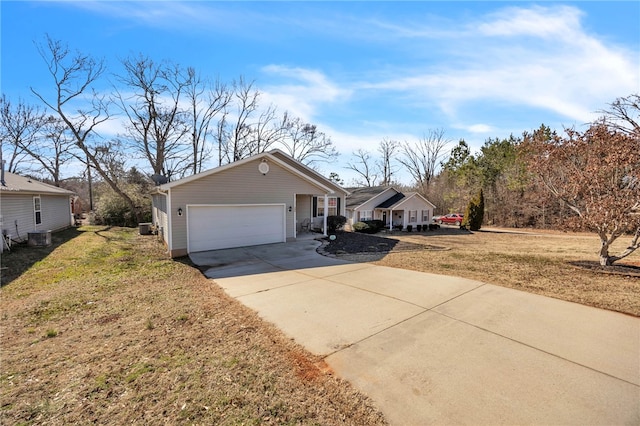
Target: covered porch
(312, 210)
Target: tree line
(176, 122)
(579, 180)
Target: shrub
(419, 228)
(362, 227)
(375, 224)
(409, 228)
(475, 213)
(335, 223)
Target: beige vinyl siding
(415, 203)
(55, 214)
(303, 208)
(243, 184)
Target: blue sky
(363, 71)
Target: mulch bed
(358, 243)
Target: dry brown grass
(537, 262)
(106, 329)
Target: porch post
(324, 218)
(391, 220)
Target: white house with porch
(394, 208)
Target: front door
(384, 217)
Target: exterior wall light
(179, 211)
(289, 209)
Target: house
(389, 205)
(27, 205)
(266, 198)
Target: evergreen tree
(475, 212)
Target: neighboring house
(27, 205)
(388, 205)
(267, 198)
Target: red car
(451, 219)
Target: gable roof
(401, 200)
(391, 201)
(278, 157)
(359, 196)
(16, 184)
(307, 170)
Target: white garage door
(218, 227)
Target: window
(413, 216)
(332, 206)
(366, 215)
(425, 215)
(36, 210)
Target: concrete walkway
(432, 349)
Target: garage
(213, 227)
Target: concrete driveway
(432, 349)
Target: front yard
(104, 328)
(554, 264)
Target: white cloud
(303, 92)
(552, 22)
(540, 57)
(479, 128)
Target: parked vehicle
(451, 219)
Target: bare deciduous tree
(305, 143)
(388, 149)
(151, 103)
(267, 131)
(364, 167)
(20, 126)
(74, 75)
(597, 175)
(246, 98)
(206, 101)
(54, 148)
(624, 114)
(422, 159)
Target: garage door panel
(216, 227)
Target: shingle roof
(359, 196)
(19, 184)
(391, 201)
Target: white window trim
(39, 210)
(325, 208)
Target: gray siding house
(27, 205)
(267, 198)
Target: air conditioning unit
(39, 239)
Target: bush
(335, 223)
(375, 224)
(419, 228)
(409, 228)
(362, 227)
